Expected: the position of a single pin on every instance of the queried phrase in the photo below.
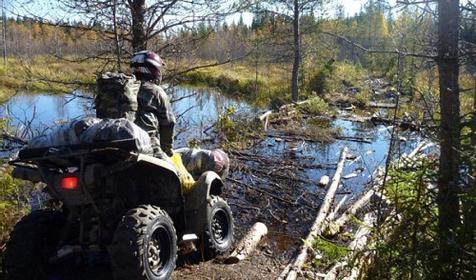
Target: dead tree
(448, 68)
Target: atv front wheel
(144, 245)
(219, 228)
(32, 243)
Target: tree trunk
(297, 53)
(116, 36)
(4, 35)
(448, 68)
(139, 38)
(473, 122)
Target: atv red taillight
(69, 183)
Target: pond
(197, 111)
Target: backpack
(116, 96)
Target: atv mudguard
(155, 181)
(196, 201)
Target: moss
(331, 252)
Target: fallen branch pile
(291, 271)
(327, 224)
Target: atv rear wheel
(144, 245)
(32, 243)
(219, 228)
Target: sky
(351, 7)
(43, 7)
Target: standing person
(154, 113)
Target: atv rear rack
(75, 150)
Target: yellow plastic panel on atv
(186, 180)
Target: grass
(13, 205)
(270, 86)
(45, 74)
(262, 86)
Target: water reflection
(196, 110)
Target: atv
(117, 203)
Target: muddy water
(367, 155)
(198, 110)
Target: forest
(351, 136)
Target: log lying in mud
(248, 244)
(265, 117)
(382, 105)
(402, 124)
(354, 139)
(336, 209)
(292, 105)
(362, 236)
(291, 271)
(421, 147)
(335, 227)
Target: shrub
(315, 106)
(235, 129)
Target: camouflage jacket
(155, 115)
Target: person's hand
(169, 153)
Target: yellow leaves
(381, 23)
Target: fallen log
(363, 234)
(382, 105)
(294, 104)
(421, 147)
(335, 227)
(354, 139)
(291, 271)
(248, 244)
(265, 117)
(336, 210)
(402, 124)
